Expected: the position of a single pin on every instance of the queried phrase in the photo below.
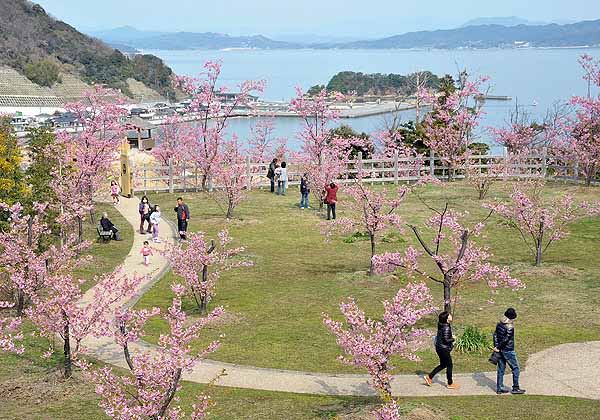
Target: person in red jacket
(331, 199)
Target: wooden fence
(185, 178)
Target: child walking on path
(146, 252)
(115, 190)
(155, 221)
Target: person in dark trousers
(331, 199)
(183, 215)
(144, 209)
(504, 343)
(304, 191)
(271, 173)
(108, 226)
(444, 343)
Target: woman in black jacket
(444, 342)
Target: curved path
(566, 370)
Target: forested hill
(586, 33)
(378, 84)
(41, 47)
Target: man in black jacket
(108, 226)
(504, 343)
(444, 343)
(183, 215)
(271, 174)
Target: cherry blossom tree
(582, 146)
(541, 222)
(59, 312)
(455, 255)
(175, 142)
(213, 113)
(201, 262)
(21, 260)
(518, 139)
(92, 149)
(481, 175)
(370, 343)
(370, 211)
(263, 146)
(232, 179)
(151, 391)
(10, 332)
(389, 411)
(323, 156)
(450, 125)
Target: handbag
(495, 357)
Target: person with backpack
(183, 215)
(331, 199)
(504, 343)
(304, 191)
(271, 173)
(444, 343)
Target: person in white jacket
(155, 221)
(283, 179)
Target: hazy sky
(356, 18)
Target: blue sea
(536, 79)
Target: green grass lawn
(277, 305)
(274, 308)
(105, 255)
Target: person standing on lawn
(271, 173)
(504, 343)
(304, 191)
(331, 199)
(283, 179)
(444, 343)
(183, 215)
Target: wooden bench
(104, 235)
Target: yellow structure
(126, 171)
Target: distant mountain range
(507, 32)
(502, 20)
(151, 40)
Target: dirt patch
(228, 318)
(408, 413)
(545, 271)
(362, 279)
(39, 388)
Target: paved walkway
(566, 370)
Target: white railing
(186, 178)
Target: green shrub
(356, 237)
(43, 72)
(473, 340)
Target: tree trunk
(67, 351)
(204, 299)
(20, 302)
(539, 246)
(450, 174)
(447, 293)
(371, 268)
(79, 229)
(481, 193)
(229, 210)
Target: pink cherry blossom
(200, 262)
(370, 343)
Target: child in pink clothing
(115, 190)
(146, 252)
